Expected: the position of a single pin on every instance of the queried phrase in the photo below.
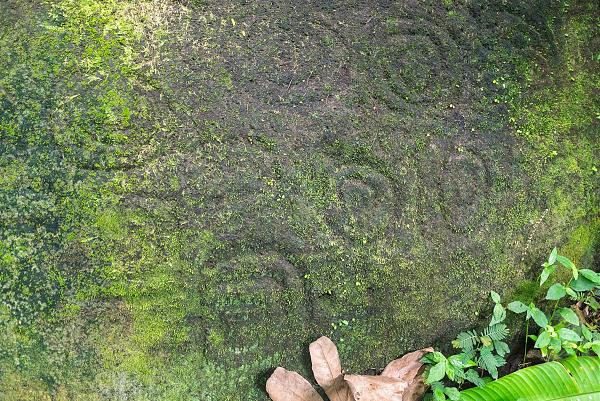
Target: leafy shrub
(484, 350)
(565, 331)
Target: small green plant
(483, 350)
(564, 331)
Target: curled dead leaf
(410, 369)
(284, 385)
(408, 366)
(376, 388)
(401, 380)
(327, 370)
(416, 388)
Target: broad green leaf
(548, 270)
(437, 372)
(539, 317)
(571, 293)
(438, 391)
(461, 361)
(452, 393)
(543, 340)
(455, 360)
(582, 284)
(587, 334)
(499, 314)
(552, 257)
(568, 335)
(436, 356)
(584, 371)
(495, 296)
(517, 307)
(570, 350)
(555, 344)
(566, 262)
(590, 275)
(569, 315)
(556, 292)
(571, 379)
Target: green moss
(582, 244)
(111, 225)
(50, 59)
(354, 238)
(527, 292)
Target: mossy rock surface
(192, 192)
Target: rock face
(263, 173)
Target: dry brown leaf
(407, 367)
(284, 385)
(416, 388)
(410, 369)
(327, 369)
(376, 388)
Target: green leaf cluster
(483, 350)
(563, 332)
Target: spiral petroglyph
(366, 204)
(462, 187)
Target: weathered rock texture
(230, 180)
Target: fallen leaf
(407, 367)
(284, 385)
(410, 369)
(327, 370)
(416, 388)
(376, 388)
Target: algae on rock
(201, 190)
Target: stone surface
(362, 170)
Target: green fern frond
(466, 340)
(472, 376)
(500, 361)
(497, 332)
(501, 348)
(488, 361)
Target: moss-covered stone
(200, 190)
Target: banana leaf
(572, 379)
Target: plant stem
(526, 337)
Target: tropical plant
(480, 349)
(574, 378)
(565, 331)
(570, 332)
